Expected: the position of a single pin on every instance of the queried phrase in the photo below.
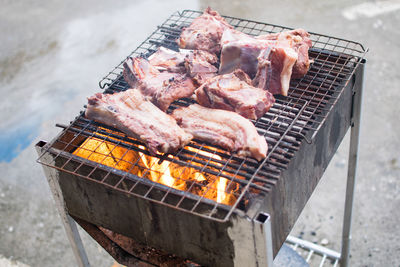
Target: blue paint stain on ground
(20, 132)
(14, 140)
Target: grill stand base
(67, 221)
(80, 253)
(352, 167)
(128, 252)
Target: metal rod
(309, 255)
(69, 223)
(351, 173)
(336, 263)
(311, 246)
(322, 261)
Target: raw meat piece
(162, 88)
(138, 70)
(131, 113)
(199, 65)
(269, 62)
(275, 66)
(300, 41)
(226, 129)
(240, 51)
(234, 92)
(165, 59)
(204, 33)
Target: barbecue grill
(203, 203)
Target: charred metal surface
(191, 237)
(120, 255)
(128, 252)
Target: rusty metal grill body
(303, 130)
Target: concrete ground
(53, 54)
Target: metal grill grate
(334, 62)
(125, 165)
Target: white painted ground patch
(4, 262)
(370, 9)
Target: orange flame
(160, 172)
(163, 172)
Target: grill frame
(297, 117)
(336, 114)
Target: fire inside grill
(200, 178)
(167, 173)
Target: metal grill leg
(263, 240)
(75, 240)
(69, 223)
(351, 173)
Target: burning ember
(164, 172)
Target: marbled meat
(300, 41)
(234, 92)
(198, 64)
(131, 113)
(205, 32)
(165, 59)
(272, 60)
(274, 69)
(223, 128)
(240, 51)
(161, 88)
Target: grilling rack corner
(298, 117)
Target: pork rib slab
(131, 113)
(226, 129)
